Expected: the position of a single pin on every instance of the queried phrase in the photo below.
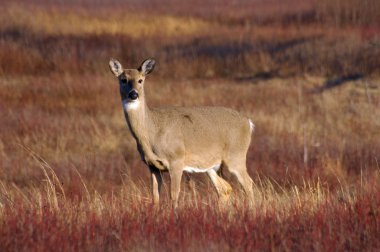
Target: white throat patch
(130, 105)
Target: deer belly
(199, 169)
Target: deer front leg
(156, 184)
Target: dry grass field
(306, 72)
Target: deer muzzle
(133, 95)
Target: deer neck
(139, 120)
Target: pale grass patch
(2, 149)
(97, 138)
(270, 197)
(334, 168)
(56, 22)
(105, 139)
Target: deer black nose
(133, 95)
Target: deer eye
(140, 81)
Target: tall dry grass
(288, 219)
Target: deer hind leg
(245, 181)
(239, 170)
(223, 188)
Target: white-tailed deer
(178, 139)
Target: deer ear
(116, 67)
(147, 66)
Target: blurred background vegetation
(193, 39)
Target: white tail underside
(251, 125)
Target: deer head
(131, 82)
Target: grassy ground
(70, 175)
